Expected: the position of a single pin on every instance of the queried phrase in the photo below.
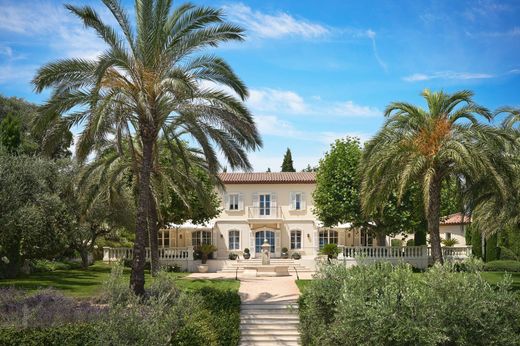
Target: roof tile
(269, 178)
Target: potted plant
(450, 242)
(247, 255)
(331, 251)
(296, 256)
(285, 252)
(205, 250)
(233, 256)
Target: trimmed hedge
(502, 266)
(70, 335)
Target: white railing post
(106, 254)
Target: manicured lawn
(81, 283)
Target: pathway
(269, 311)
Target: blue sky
(317, 70)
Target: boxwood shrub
(69, 334)
(502, 266)
(384, 305)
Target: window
(260, 236)
(164, 238)
(328, 237)
(200, 237)
(297, 201)
(234, 240)
(366, 238)
(233, 201)
(296, 240)
(265, 204)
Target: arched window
(234, 240)
(200, 237)
(164, 238)
(328, 237)
(296, 239)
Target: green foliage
(42, 266)
(35, 219)
(396, 242)
(449, 242)
(336, 197)
(330, 250)
(10, 136)
(232, 256)
(287, 164)
(205, 251)
(410, 242)
(491, 248)
(476, 241)
(68, 334)
(385, 305)
(502, 266)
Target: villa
(279, 207)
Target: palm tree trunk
(143, 206)
(153, 231)
(433, 218)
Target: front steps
(269, 324)
(232, 266)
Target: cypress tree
(287, 164)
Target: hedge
(502, 266)
(70, 335)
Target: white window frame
(296, 233)
(328, 237)
(297, 201)
(234, 239)
(164, 238)
(197, 237)
(233, 201)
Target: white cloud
(268, 100)
(274, 25)
(274, 100)
(416, 77)
(16, 74)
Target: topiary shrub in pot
(233, 256)
(247, 255)
(205, 251)
(296, 256)
(285, 252)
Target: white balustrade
(165, 254)
(395, 252)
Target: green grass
(80, 283)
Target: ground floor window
(366, 238)
(296, 239)
(328, 237)
(234, 240)
(164, 238)
(259, 240)
(448, 235)
(200, 237)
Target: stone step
(272, 328)
(270, 343)
(253, 332)
(272, 338)
(264, 317)
(285, 305)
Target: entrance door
(259, 240)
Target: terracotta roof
(455, 219)
(269, 178)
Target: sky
(316, 70)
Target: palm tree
(428, 146)
(151, 81)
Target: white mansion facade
(257, 206)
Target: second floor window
(297, 201)
(233, 201)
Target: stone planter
(203, 268)
(247, 255)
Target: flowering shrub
(383, 305)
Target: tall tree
(150, 80)
(426, 147)
(287, 164)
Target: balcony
(262, 214)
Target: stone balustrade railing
(393, 252)
(111, 254)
